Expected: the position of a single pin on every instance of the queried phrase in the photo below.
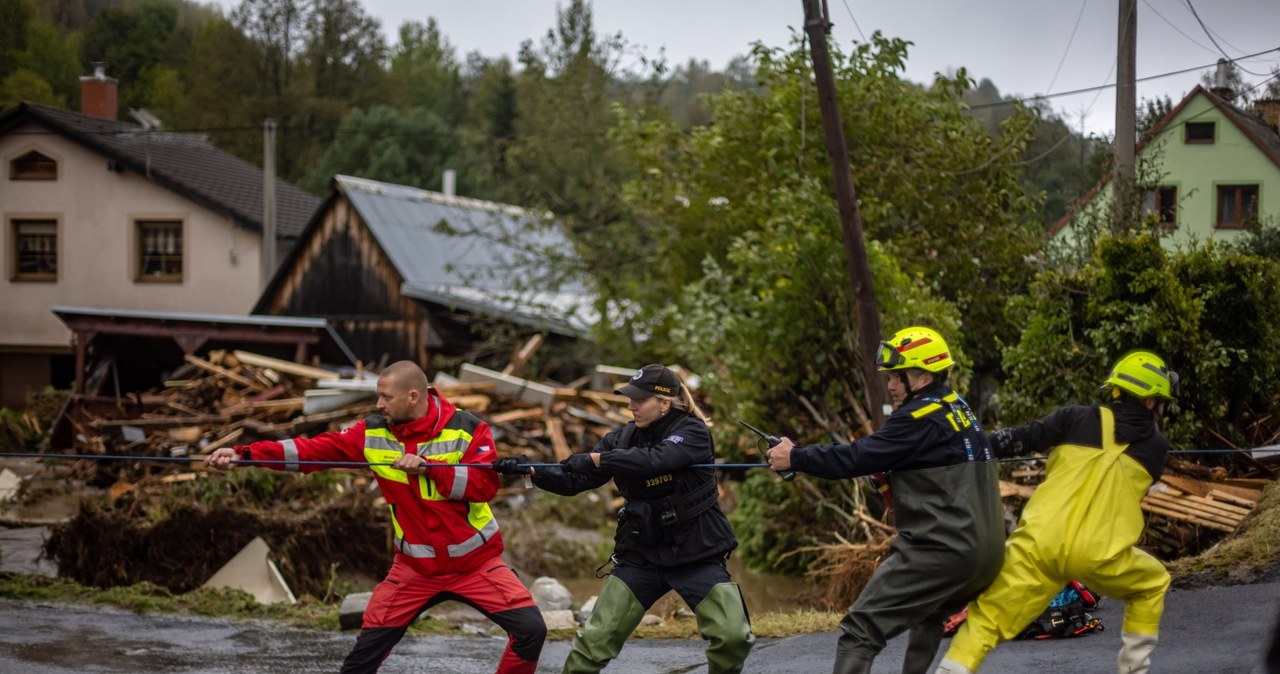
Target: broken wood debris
(227, 398)
(1187, 499)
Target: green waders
(616, 616)
(722, 620)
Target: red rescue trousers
(492, 589)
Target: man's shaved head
(402, 392)
(407, 376)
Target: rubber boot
(949, 666)
(616, 615)
(922, 645)
(851, 663)
(1135, 654)
(722, 620)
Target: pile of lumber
(1184, 508)
(232, 398)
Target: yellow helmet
(914, 347)
(1145, 375)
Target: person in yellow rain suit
(1082, 523)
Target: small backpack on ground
(1067, 616)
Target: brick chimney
(98, 93)
(1268, 110)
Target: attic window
(33, 166)
(1200, 132)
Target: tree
(381, 143)
(562, 158)
(14, 16)
(1207, 310)
(24, 85)
(276, 26)
(734, 261)
(344, 51)
(425, 72)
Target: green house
(1212, 167)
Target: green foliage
(1208, 310)
(24, 85)
(739, 268)
(410, 148)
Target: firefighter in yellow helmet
(947, 505)
(1084, 520)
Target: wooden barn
(406, 273)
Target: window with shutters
(35, 250)
(160, 251)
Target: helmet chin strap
(906, 386)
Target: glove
(512, 465)
(579, 463)
(1005, 443)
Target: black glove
(1005, 443)
(513, 465)
(579, 463)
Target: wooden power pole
(1126, 104)
(855, 248)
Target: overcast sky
(1026, 47)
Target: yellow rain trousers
(1081, 524)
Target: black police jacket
(671, 516)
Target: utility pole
(1126, 104)
(855, 248)
(268, 201)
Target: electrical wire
(1208, 33)
(1067, 49)
(1179, 30)
(855, 21)
(1086, 90)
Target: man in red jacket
(447, 541)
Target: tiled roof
(185, 163)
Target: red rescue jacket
(442, 519)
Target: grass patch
(1245, 556)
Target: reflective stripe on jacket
(442, 519)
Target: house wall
(95, 209)
(1197, 169)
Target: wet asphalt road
(1211, 631)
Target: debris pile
(1190, 507)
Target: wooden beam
(559, 445)
(522, 356)
(279, 365)
(224, 372)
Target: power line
(1215, 42)
(1067, 49)
(1073, 92)
(855, 21)
(1179, 30)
